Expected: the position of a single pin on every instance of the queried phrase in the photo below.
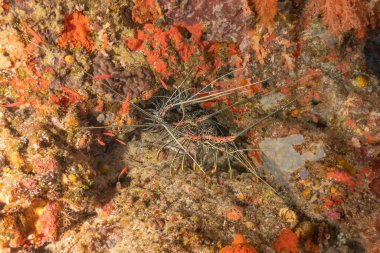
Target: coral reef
(33, 176)
(169, 53)
(80, 172)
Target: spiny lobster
(193, 132)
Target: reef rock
(224, 19)
(280, 156)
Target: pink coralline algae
(42, 166)
(49, 222)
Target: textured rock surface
(224, 19)
(156, 212)
(271, 102)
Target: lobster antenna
(246, 163)
(266, 117)
(106, 127)
(216, 94)
(226, 108)
(180, 85)
(217, 79)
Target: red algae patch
(239, 245)
(76, 32)
(286, 242)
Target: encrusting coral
(239, 245)
(76, 32)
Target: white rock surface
(281, 156)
